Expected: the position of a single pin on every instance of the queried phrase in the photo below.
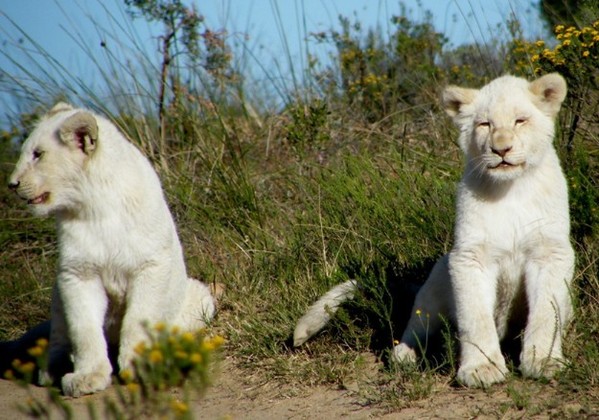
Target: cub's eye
(520, 121)
(37, 154)
(483, 124)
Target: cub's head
(507, 126)
(53, 158)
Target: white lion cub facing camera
(120, 261)
(511, 260)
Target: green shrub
(378, 77)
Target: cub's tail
(320, 312)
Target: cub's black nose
(13, 185)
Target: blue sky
(65, 28)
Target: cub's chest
(94, 251)
(507, 228)
(107, 238)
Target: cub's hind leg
(433, 302)
(59, 346)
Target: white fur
(320, 312)
(512, 255)
(120, 260)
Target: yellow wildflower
(156, 356)
(140, 348)
(540, 43)
(126, 375)
(42, 342)
(196, 358)
(218, 341)
(566, 42)
(585, 53)
(208, 345)
(370, 79)
(188, 337)
(179, 354)
(27, 367)
(36, 351)
(160, 326)
(418, 312)
(559, 28)
(133, 387)
(179, 407)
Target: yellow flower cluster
(520, 55)
(371, 83)
(171, 356)
(25, 370)
(348, 56)
(179, 407)
(463, 74)
(577, 49)
(156, 356)
(41, 345)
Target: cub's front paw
(547, 367)
(482, 375)
(403, 354)
(78, 384)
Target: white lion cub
(120, 261)
(512, 258)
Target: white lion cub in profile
(120, 261)
(511, 258)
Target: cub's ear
(549, 91)
(59, 107)
(454, 98)
(80, 131)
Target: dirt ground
(237, 394)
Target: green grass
(27, 259)
(280, 205)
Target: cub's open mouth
(505, 165)
(40, 199)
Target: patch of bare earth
(239, 394)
